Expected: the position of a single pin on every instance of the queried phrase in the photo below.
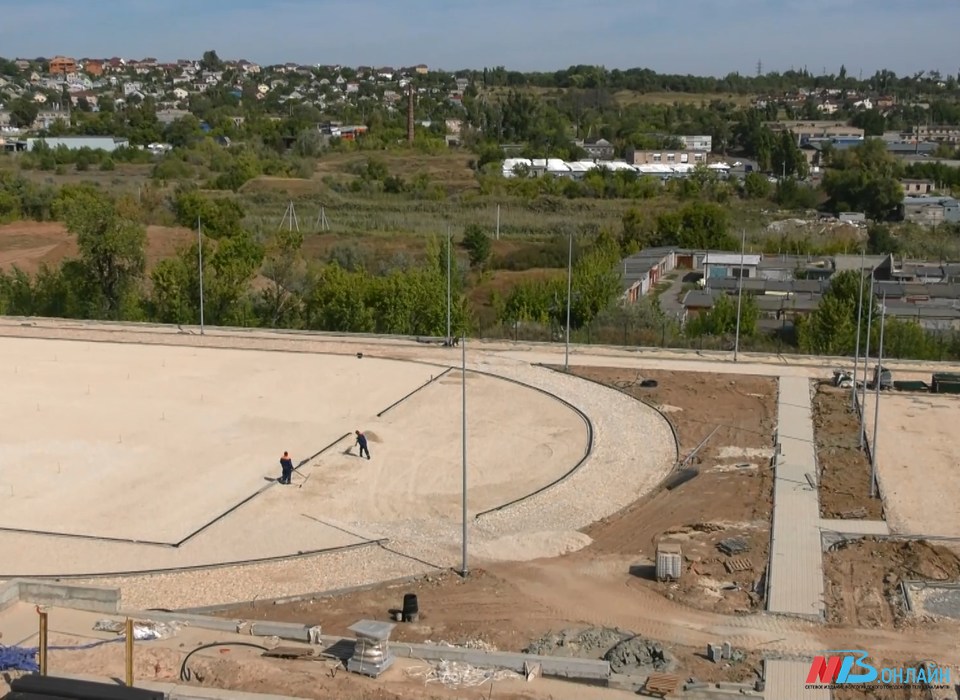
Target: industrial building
(75, 143)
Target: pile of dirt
(844, 467)
(589, 643)
(863, 577)
(638, 656)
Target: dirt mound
(637, 656)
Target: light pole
(566, 352)
(736, 342)
(876, 403)
(200, 265)
(463, 430)
(866, 362)
(449, 336)
(856, 357)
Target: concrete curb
(62, 595)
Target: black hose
(185, 672)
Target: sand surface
(225, 415)
(150, 443)
(917, 461)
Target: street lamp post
(876, 403)
(736, 342)
(463, 429)
(566, 352)
(856, 357)
(866, 362)
(200, 265)
(449, 336)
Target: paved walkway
(786, 680)
(796, 569)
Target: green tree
(865, 178)
(211, 61)
(702, 225)
(284, 268)
(112, 247)
(220, 218)
(756, 186)
(722, 318)
(23, 112)
(478, 246)
(636, 232)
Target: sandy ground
(863, 579)
(338, 499)
(844, 467)
(31, 244)
(917, 461)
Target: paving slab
(786, 680)
(796, 568)
(855, 527)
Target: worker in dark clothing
(286, 466)
(362, 442)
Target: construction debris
(733, 545)
(738, 564)
(454, 674)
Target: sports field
(127, 456)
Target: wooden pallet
(661, 684)
(738, 564)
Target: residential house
(913, 188)
(169, 116)
(930, 210)
(462, 84)
(93, 67)
(598, 149)
(636, 156)
(695, 143)
(22, 64)
(249, 68)
(352, 88)
(62, 64)
(421, 69)
(132, 87)
(39, 98)
(180, 93)
(91, 98)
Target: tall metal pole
(200, 263)
(866, 362)
(856, 356)
(566, 352)
(736, 342)
(876, 403)
(498, 222)
(463, 429)
(449, 337)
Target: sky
(700, 37)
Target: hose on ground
(185, 674)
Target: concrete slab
(786, 680)
(795, 577)
(916, 461)
(855, 527)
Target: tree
(756, 186)
(283, 267)
(477, 244)
(700, 225)
(636, 233)
(211, 61)
(722, 318)
(23, 112)
(865, 178)
(220, 218)
(111, 246)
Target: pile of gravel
(592, 643)
(636, 656)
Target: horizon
(694, 39)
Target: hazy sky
(706, 37)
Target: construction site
(627, 522)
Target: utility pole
(876, 403)
(498, 222)
(464, 570)
(856, 357)
(736, 342)
(566, 352)
(449, 337)
(200, 265)
(866, 361)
